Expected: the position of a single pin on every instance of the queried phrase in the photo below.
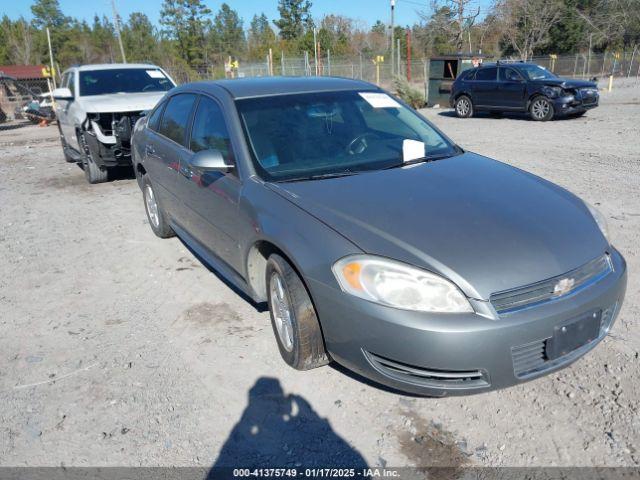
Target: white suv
(97, 107)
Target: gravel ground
(118, 348)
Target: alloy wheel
(540, 109)
(281, 311)
(152, 206)
(463, 107)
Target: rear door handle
(149, 150)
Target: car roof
(269, 86)
(113, 66)
(508, 64)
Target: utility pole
(315, 50)
(53, 75)
(393, 6)
(408, 54)
(116, 23)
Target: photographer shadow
(282, 431)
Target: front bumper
(570, 104)
(457, 354)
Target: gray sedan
(377, 242)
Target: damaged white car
(97, 107)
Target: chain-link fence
(580, 65)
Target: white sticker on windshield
(155, 74)
(412, 149)
(379, 100)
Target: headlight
(398, 285)
(552, 92)
(600, 220)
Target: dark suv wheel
(541, 109)
(293, 317)
(464, 107)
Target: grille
(531, 358)
(589, 96)
(427, 377)
(547, 290)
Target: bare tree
(455, 19)
(526, 23)
(21, 42)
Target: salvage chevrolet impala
(377, 242)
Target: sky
(367, 11)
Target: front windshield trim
(308, 169)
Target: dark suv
(521, 87)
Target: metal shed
(443, 70)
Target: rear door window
(176, 118)
(486, 74)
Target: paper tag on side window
(155, 74)
(412, 149)
(379, 100)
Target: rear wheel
(464, 107)
(293, 317)
(155, 214)
(541, 109)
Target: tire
(463, 107)
(155, 214)
(92, 172)
(300, 338)
(541, 109)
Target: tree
(19, 39)
(261, 37)
(185, 22)
(457, 22)
(227, 35)
(526, 23)
(47, 13)
(295, 18)
(140, 39)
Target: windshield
(332, 133)
(123, 80)
(534, 72)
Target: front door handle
(149, 150)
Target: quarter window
(486, 74)
(154, 118)
(176, 118)
(209, 130)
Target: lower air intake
(427, 377)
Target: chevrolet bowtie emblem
(563, 286)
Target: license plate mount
(571, 336)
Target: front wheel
(293, 317)
(541, 109)
(92, 172)
(464, 107)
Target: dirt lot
(118, 348)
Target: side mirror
(210, 160)
(62, 94)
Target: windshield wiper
(320, 176)
(428, 158)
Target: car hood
(120, 102)
(566, 83)
(485, 225)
